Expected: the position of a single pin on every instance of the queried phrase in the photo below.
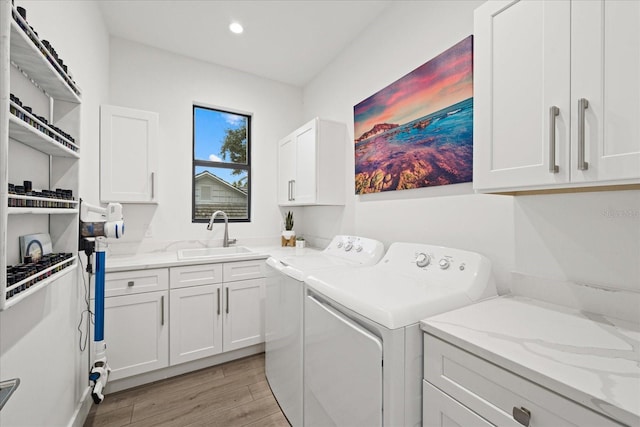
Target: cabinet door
(243, 313)
(440, 410)
(196, 331)
(128, 143)
(304, 189)
(605, 69)
(136, 330)
(521, 70)
(286, 170)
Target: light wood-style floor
(232, 394)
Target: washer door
(342, 370)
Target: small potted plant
(288, 235)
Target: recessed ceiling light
(236, 28)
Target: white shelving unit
(26, 64)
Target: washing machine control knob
(358, 248)
(422, 259)
(348, 246)
(339, 245)
(444, 263)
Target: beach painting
(418, 131)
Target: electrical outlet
(148, 232)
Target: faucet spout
(225, 241)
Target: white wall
(589, 238)
(405, 36)
(150, 79)
(38, 336)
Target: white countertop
(163, 259)
(589, 358)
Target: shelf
(42, 211)
(13, 300)
(30, 59)
(28, 135)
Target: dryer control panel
(359, 249)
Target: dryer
(284, 313)
(363, 343)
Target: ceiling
(290, 41)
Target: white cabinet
(38, 144)
(215, 308)
(128, 155)
(243, 323)
(311, 165)
(557, 94)
(470, 390)
(137, 333)
(136, 321)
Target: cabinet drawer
(243, 270)
(440, 410)
(135, 282)
(494, 393)
(195, 275)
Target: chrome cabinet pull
(553, 113)
(522, 415)
(227, 300)
(218, 301)
(130, 283)
(153, 185)
(293, 189)
(583, 104)
(162, 310)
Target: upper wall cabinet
(128, 159)
(557, 94)
(311, 163)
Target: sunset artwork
(418, 131)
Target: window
(221, 164)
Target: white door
(521, 71)
(136, 330)
(128, 144)
(605, 72)
(196, 323)
(440, 410)
(243, 323)
(342, 370)
(286, 170)
(306, 159)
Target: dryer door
(342, 370)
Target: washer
(284, 310)
(363, 344)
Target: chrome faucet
(226, 241)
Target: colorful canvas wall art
(418, 131)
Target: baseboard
(183, 368)
(82, 409)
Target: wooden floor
(232, 394)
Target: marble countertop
(162, 259)
(589, 358)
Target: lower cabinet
(157, 318)
(137, 333)
(462, 389)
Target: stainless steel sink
(213, 253)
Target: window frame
(223, 165)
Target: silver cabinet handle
(162, 310)
(218, 301)
(553, 113)
(153, 185)
(289, 190)
(293, 189)
(522, 415)
(583, 104)
(130, 283)
(227, 300)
